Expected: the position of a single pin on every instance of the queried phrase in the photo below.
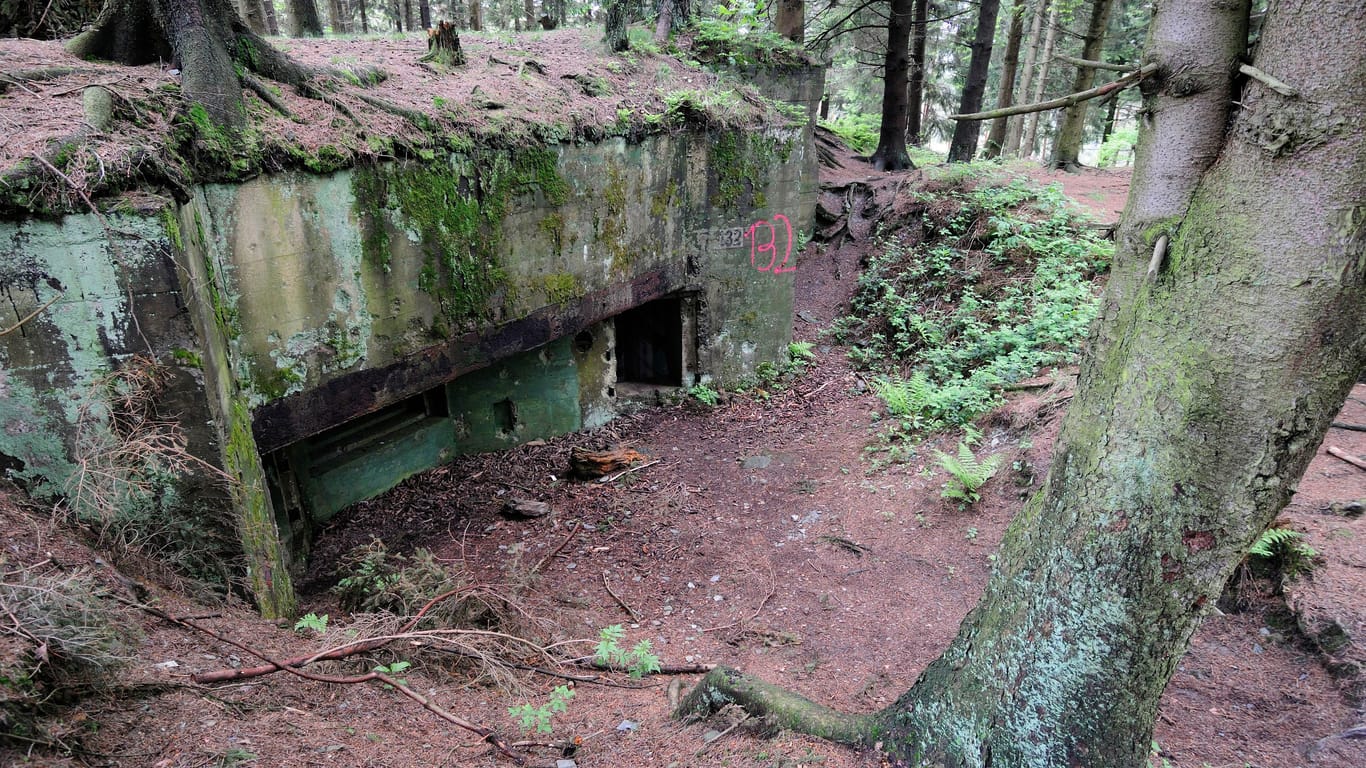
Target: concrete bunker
(327, 334)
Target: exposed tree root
(782, 707)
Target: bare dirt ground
(734, 548)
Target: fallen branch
(772, 587)
(664, 669)
(1336, 424)
(629, 610)
(1133, 78)
(722, 734)
(32, 315)
(333, 654)
(1347, 457)
(484, 734)
(625, 472)
(541, 563)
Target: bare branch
(1133, 78)
(1268, 81)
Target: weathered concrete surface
(291, 305)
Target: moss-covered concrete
(292, 303)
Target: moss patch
(457, 210)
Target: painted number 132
(763, 241)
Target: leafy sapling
(538, 718)
(638, 661)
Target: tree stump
(548, 23)
(443, 45)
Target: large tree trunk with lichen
(965, 133)
(1067, 145)
(1210, 381)
(890, 154)
(996, 137)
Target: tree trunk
(272, 21)
(1015, 125)
(915, 76)
(890, 154)
(424, 13)
(996, 137)
(1207, 388)
(790, 21)
(304, 20)
(476, 15)
(364, 22)
(335, 15)
(615, 23)
(1111, 113)
(443, 45)
(529, 10)
(1067, 146)
(398, 15)
(965, 133)
(674, 16)
(1041, 82)
(254, 14)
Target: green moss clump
(457, 208)
(562, 287)
(739, 160)
(187, 358)
(663, 201)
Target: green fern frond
(966, 472)
(1274, 541)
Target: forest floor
(764, 538)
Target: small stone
(715, 579)
(627, 725)
(1256, 648)
(524, 509)
(761, 461)
(562, 763)
(169, 664)
(711, 735)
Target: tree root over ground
(782, 707)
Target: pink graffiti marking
(758, 246)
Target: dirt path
(765, 538)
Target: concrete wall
(288, 307)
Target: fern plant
(967, 473)
(1285, 548)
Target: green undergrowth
(996, 282)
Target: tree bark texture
(304, 20)
(272, 21)
(890, 154)
(996, 137)
(476, 15)
(965, 132)
(1015, 125)
(254, 14)
(615, 24)
(915, 76)
(790, 21)
(1031, 132)
(337, 16)
(1071, 129)
(529, 10)
(1205, 392)
(364, 22)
